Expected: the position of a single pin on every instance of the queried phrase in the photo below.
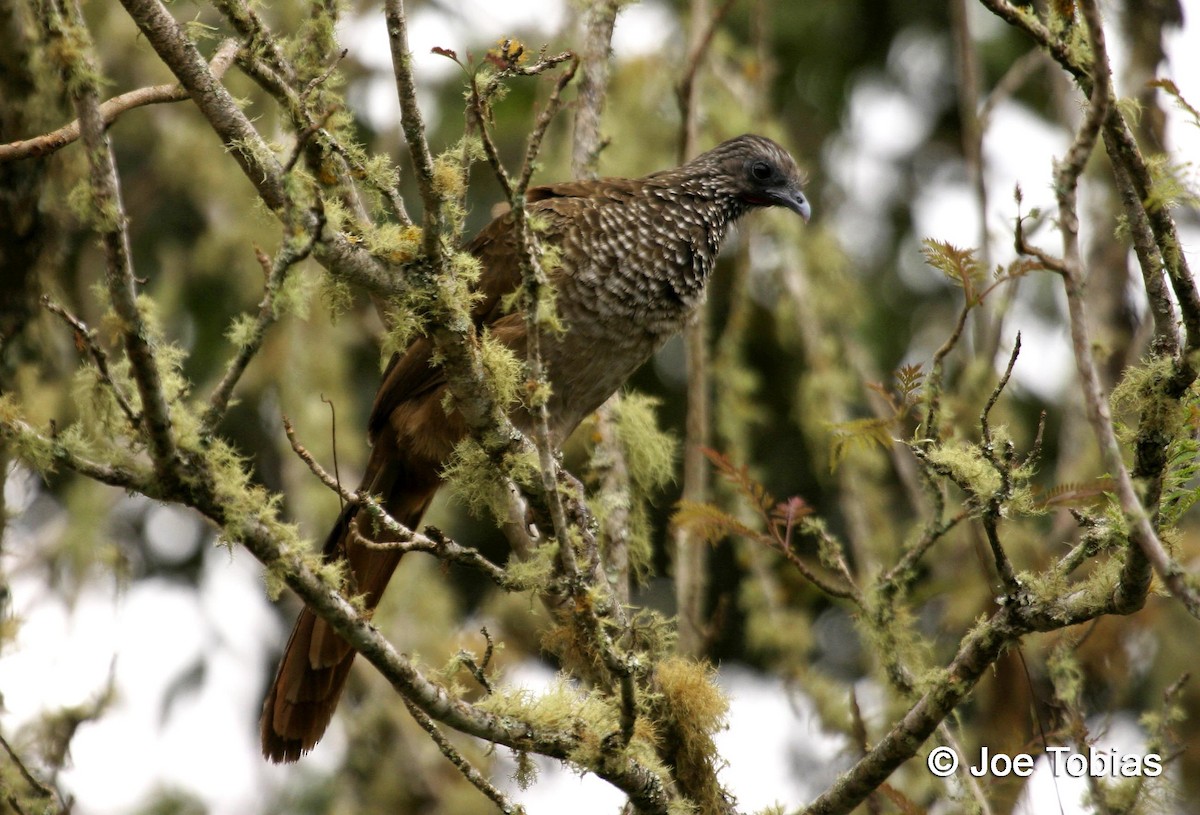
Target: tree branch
(263, 536)
(1141, 530)
(87, 337)
(274, 272)
(414, 130)
(170, 41)
(111, 110)
(112, 225)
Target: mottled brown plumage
(634, 258)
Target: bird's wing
(409, 374)
(595, 189)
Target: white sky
(151, 633)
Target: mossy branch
(977, 652)
(255, 527)
(248, 345)
(413, 123)
(111, 222)
(260, 167)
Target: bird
(632, 261)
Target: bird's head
(759, 173)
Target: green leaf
(960, 265)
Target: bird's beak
(793, 199)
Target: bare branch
(599, 20)
(111, 110)
(469, 771)
(1016, 75)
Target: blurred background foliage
(867, 94)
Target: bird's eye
(760, 170)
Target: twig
(274, 272)
(553, 105)
(984, 425)
(847, 592)
(473, 775)
(337, 471)
(901, 575)
(320, 472)
(407, 540)
(433, 543)
(479, 111)
(87, 337)
(989, 508)
(39, 789)
(933, 386)
(1021, 69)
(111, 110)
(479, 671)
(481, 114)
(992, 514)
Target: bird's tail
(317, 661)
